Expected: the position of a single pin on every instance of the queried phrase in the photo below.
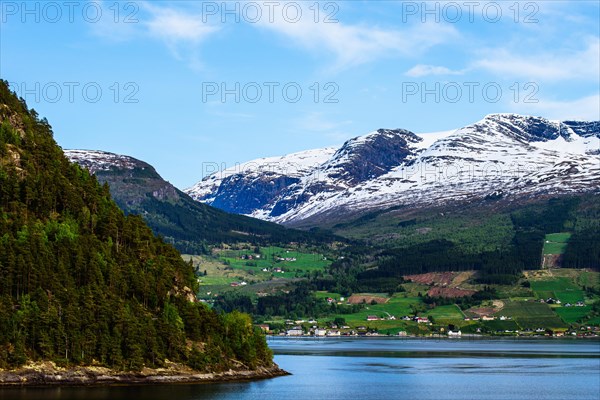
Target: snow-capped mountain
(96, 160)
(503, 157)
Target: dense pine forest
(83, 284)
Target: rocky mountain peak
(519, 156)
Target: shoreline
(48, 374)
(435, 336)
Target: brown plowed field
(358, 299)
(437, 291)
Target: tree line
(82, 283)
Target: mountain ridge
(503, 156)
(190, 226)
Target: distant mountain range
(503, 157)
(138, 189)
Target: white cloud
(586, 108)
(174, 25)
(421, 70)
(553, 65)
(181, 29)
(352, 45)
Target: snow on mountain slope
(255, 180)
(503, 156)
(95, 160)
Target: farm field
(396, 306)
(570, 296)
(292, 262)
(497, 325)
(556, 243)
(547, 287)
(449, 314)
(531, 315)
(320, 294)
(572, 314)
(589, 279)
(564, 289)
(525, 309)
(216, 274)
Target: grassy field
(323, 295)
(563, 288)
(498, 325)
(556, 243)
(531, 315)
(569, 296)
(396, 306)
(217, 273)
(572, 314)
(293, 262)
(589, 279)
(553, 285)
(525, 309)
(449, 314)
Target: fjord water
(391, 368)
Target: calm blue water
(386, 368)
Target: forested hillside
(498, 243)
(187, 224)
(81, 283)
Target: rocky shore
(49, 374)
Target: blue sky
(184, 83)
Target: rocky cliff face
(503, 157)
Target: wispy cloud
(421, 70)
(355, 44)
(553, 65)
(181, 29)
(175, 26)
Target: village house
(320, 332)
(296, 331)
(372, 318)
(422, 320)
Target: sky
(183, 85)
